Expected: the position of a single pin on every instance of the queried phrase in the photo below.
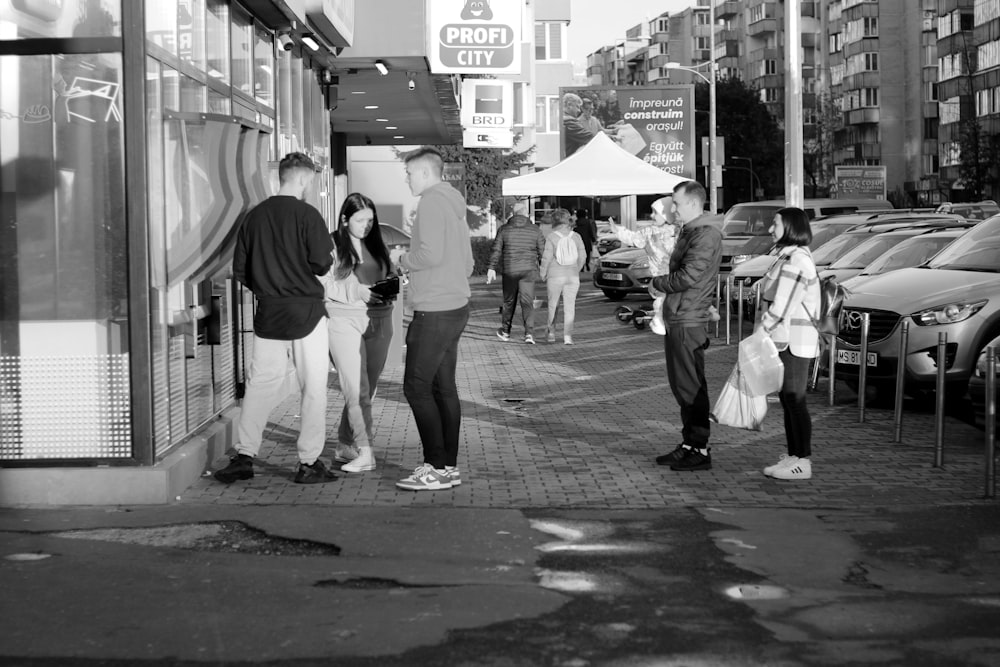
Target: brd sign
(473, 36)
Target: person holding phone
(360, 325)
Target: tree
(485, 169)
(818, 151)
(749, 130)
(978, 156)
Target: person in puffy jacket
(517, 254)
(687, 310)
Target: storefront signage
(654, 123)
(474, 36)
(860, 182)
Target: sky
(595, 24)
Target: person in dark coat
(517, 254)
(587, 229)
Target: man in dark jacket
(587, 229)
(690, 289)
(517, 253)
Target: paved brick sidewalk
(551, 425)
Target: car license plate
(613, 276)
(853, 357)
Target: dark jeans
(685, 352)
(374, 350)
(519, 288)
(429, 381)
(588, 248)
(798, 425)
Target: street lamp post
(710, 80)
(753, 175)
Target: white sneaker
(801, 469)
(364, 462)
(567, 340)
(426, 478)
(783, 462)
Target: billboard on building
(474, 36)
(861, 182)
(654, 123)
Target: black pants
(798, 424)
(685, 352)
(519, 287)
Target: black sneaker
(315, 473)
(694, 460)
(240, 467)
(674, 456)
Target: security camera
(411, 85)
(286, 41)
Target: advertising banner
(474, 36)
(860, 182)
(654, 123)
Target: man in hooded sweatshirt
(517, 253)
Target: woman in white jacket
(360, 325)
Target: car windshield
(864, 253)
(755, 219)
(823, 233)
(976, 250)
(734, 228)
(836, 247)
(911, 252)
(758, 245)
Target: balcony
(861, 116)
(765, 26)
(659, 60)
(727, 10)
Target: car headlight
(641, 263)
(739, 259)
(947, 314)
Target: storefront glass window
(25, 19)
(242, 51)
(217, 40)
(161, 24)
(191, 32)
(64, 343)
(264, 67)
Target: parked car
(956, 293)
(749, 219)
(971, 210)
(394, 237)
(622, 272)
(857, 259)
(977, 383)
(606, 242)
(914, 251)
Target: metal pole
(831, 366)
(863, 365)
(793, 102)
(942, 350)
(729, 306)
(718, 300)
(991, 422)
(711, 116)
(739, 313)
(904, 336)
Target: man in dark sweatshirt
(687, 310)
(517, 253)
(282, 248)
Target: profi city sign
(474, 36)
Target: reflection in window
(242, 51)
(161, 24)
(62, 18)
(217, 40)
(191, 32)
(264, 67)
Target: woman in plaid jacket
(790, 301)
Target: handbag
(760, 364)
(387, 288)
(736, 406)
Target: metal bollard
(831, 370)
(904, 337)
(729, 305)
(991, 422)
(718, 300)
(863, 366)
(739, 313)
(942, 348)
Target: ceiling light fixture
(380, 66)
(391, 127)
(372, 106)
(310, 42)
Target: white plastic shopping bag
(759, 362)
(737, 407)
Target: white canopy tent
(600, 169)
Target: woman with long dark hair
(790, 304)
(360, 325)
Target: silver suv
(957, 292)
